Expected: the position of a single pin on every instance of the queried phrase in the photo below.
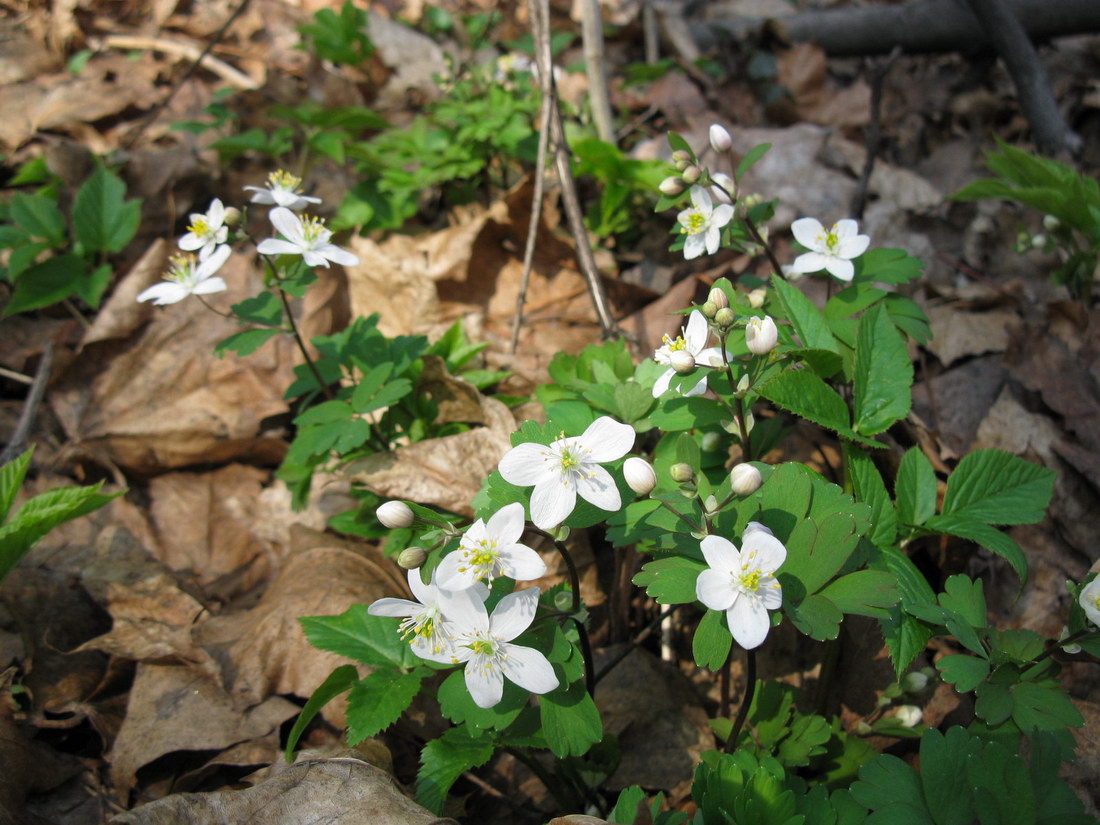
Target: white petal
(713, 239)
(506, 524)
(448, 576)
(527, 464)
(261, 195)
(314, 258)
(209, 286)
(840, 268)
(699, 388)
(486, 684)
(338, 255)
(465, 609)
(394, 607)
(696, 332)
(523, 562)
(749, 622)
(853, 247)
(607, 439)
(288, 225)
(529, 669)
(694, 246)
(661, 385)
(721, 554)
(810, 262)
(714, 590)
(846, 228)
(723, 214)
(424, 593)
(190, 242)
(286, 200)
(806, 232)
(166, 292)
(213, 262)
(216, 213)
(712, 357)
(755, 525)
(700, 198)
(599, 489)
(275, 246)
(551, 502)
(514, 614)
(771, 593)
(426, 648)
(770, 552)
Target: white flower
(395, 514)
(206, 231)
(761, 335)
(1090, 600)
(490, 550)
(742, 582)
(568, 467)
(908, 716)
(483, 642)
(753, 526)
(186, 276)
(426, 628)
(832, 250)
(723, 186)
(720, 139)
(702, 223)
(282, 189)
(693, 340)
(640, 475)
(306, 237)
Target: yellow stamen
(281, 179)
(199, 226)
(694, 223)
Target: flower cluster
(208, 232)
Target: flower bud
(412, 558)
(681, 473)
(761, 335)
(708, 309)
(718, 297)
(671, 186)
(682, 361)
(1072, 648)
(908, 715)
(745, 479)
(725, 318)
(863, 729)
(563, 600)
(720, 139)
(722, 188)
(640, 475)
(710, 505)
(395, 514)
(691, 174)
(1051, 223)
(743, 385)
(1038, 241)
(711, 442)
(914, 682)
(757, 297)
(753, 526)
(681, 159)
(232, 216)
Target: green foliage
(339, 36)
(628, 187)
(48, 262)
(445, 759)
(20, 531)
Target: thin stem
(695, 528)
(586, 650)
(302, 346)
(215, 310)
(1058, 645)
(743, 428)
(750, 691)
(574, 577)
(756, 236)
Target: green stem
(743, 427)
(750, 691)
(586, 650)
(756, 236)
(302, 346)
(695, 528)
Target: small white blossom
(908, 716)
(742, 583)
(187, 276)
(206, 231)
(722, 187)
(307, 237)
(484, 643)
(567, 468)
(492, 549)
(1090, 600)
(692, 340)
(395, 514)
(745, 479)
(640, 475)
(283, 189)
(761, 335)
(720, 139)
(830, 250)
(425, 628)
(702, 223)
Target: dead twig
(19, 438)
(594, 65)
(178, 49)
(878, 71)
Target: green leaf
(712, 641)
(671, 580)
(890, 266)
(816, 616)
(49, 282)
(804, 393)
(245, 342)
(916, 488)
(883, 374)
(626, 806)
(996, 487)
(965, 596)
(962, 671)
(39, 216)
(11, 479)
(378, 701)
(988, 537)
(1043, 706)
(806, 318)
(458, 706)
(750, 158)
(264, 309)
(864, 592)
(337, 682)
(445, 759)
(103, 220)
(570, 720)
(869, 488)
(372, 640)
(905, 637)
(92, 286)
(892, 790)
(943, 762)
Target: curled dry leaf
(168, 402)
(446, 472)
(336, 791)
(957, 333)
(121, 314)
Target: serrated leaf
(804, 393)
(458, 706)
(905, 637)
(869, 488)
(712, 641)
(39, 217)
(864, 592)
(372, 640)
(806, 318)
(245, 342)
(264, 309)
(445, 759)
(339, 681)
(103, 220)
(890, 266)
(92, 286)
(996, 487)
(670, 581)
(962, 671)
(626, 806)
(49, 282)
(883, 374)
(378, 701)
(570, 720)
(916, 488)
(988, 537)
(11, 479)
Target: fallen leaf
(802, 71)
(957, 333)
(121, 314)
(29, 767)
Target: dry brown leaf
(457, 399)
(393, 278)
(22, 57)
(256, 754)
(957, 333)
(29, 767)
(173, 708)
(121, 314)
(446, 472)
(153, 617)
(416, 60)
(900, 187)
(802, 71)
(167, 402)
(263, 651)
(337, 791)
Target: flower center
(1096, 602)
(830, 240)
(313, 230)
(181, 269)
(694, 223)
(199, 226)
(283, 180)
(751, 581)
(483, 647)
(485, 553)
(568, 460)
(423, 625)
(675, 346)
